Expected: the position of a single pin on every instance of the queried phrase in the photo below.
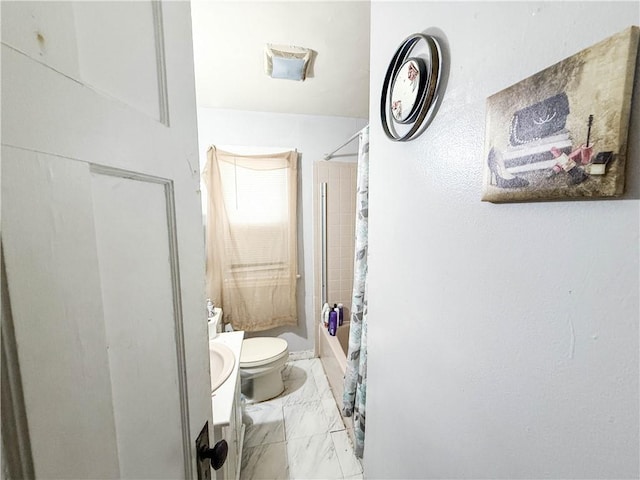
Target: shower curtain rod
(328, 156)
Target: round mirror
(407, 89)
(411, 88)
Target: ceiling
(229, 39)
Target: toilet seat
(261, 351)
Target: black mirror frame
(427, 94)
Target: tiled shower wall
(341, 205)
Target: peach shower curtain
(251, 237)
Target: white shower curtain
(355, 382)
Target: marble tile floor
(300, 434)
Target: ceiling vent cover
(287, 61)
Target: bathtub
(333, 355)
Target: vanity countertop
(223, 398)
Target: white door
(102, 236)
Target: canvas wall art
(562, 133)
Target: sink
(222, 360)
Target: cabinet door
(234, 435)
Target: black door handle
(217, 454)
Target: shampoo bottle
(340, 314)
(325, 315)
(333, 322)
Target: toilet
(261, 362)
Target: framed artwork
(562, 133)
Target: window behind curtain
(252, 237)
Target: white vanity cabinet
(227, 411)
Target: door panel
(45, 111)
(127, 36)
(44, 31)
(58, 316)
(136, 276)
(115, 47)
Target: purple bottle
(333, 322)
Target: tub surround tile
(349, 464)
(264, 424)
(265, 462)
(313, 457)
(342, 185)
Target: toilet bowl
(261, 362)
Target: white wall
(312, 136)
(503, 339)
